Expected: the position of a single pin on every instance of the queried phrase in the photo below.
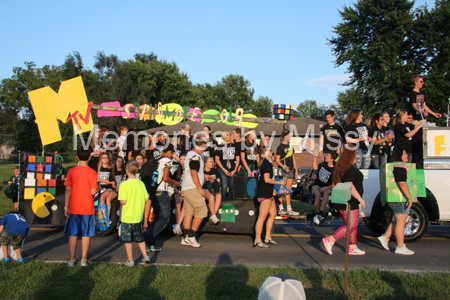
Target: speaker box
(244, 188)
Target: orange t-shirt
(82, 180)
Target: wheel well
(430, 205)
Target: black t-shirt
(356, 177)
(286, 153)
(106, 174)
(238, 146)
(227, 156)
(210, 149)
(399, 174)
(324, 175)
(213, 173)
(331, 137)
(419, 99)
(265, 190)
(356, 131)
(251, 155)
(400, 139)
(158, 149)
(379, 134)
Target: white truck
(435, 207)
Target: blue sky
(279, 46)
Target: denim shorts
(288, 175)
(399, 208)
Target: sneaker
(211, 220)
(71, 263)
(328, 245)
(356, 251)
(316, 219)
(384, 242)
(214, 220)
(146, 260)
(403, 251)
(192, 241)
(282, 212)
(22, 260)
(84, 263)
(292, 213)
(130, 263)
(6, 259)
(153, 248)
(177, 229)
(183, 241)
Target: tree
(375, 40)
(310, 109)
(263, 107)
(234, 90)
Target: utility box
(341, 193)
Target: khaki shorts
(315, 188)
(194, 204)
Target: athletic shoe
(316, 219)
(292, 213)
(6, 259)
(214, 220)
(384, 242)
(177, 229)
(71, 263)
(192, 241)
(183, 241)
(282, 212)
(22, 260)
(84, 263)
(211, 220)
(153, 248)
(328, 245)
(403, 251)
(130, 263)
(146, 260)
(356, 251)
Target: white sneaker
(84, 263)
(214, 220)
(177, 229)
(192, 241)
(146, 260)
(130, 263)
(71, 263)
(384, 242)
(183, 241)
(328, 245)
(316, 219)
(292, 213)
(356, 251)
(403, 251)
(282, 212)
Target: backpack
(149, 175)
(11, 191)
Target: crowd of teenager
(197, 174)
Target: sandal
(270, 242)
(260, 245)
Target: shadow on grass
(143, 289)
(318, 291)
(395, 282)
(229, 282)
(67, 283)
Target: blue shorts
(399, 208)
(80, 225)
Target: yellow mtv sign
(49, 107)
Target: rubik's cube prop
(41, 177)
(283, 112)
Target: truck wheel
(416, 223)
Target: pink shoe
(328, 245)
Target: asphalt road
(299, 246)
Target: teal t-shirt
(134, 192)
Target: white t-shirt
(163, 164)
(188, 183)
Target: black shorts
(131, 232)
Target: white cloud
(328, 81)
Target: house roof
(301, 124)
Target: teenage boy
(81, 184)
(331, 134)
(193, 193)
(323, 184)
(15, 227)
(160, 200)
(419, 108)
(134, 203)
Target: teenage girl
(106, 180)
(212, 181)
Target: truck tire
(416, 223)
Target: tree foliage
(385, 43)
(263, 107)
(312, 109)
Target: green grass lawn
(35, 280)
(6, 171)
